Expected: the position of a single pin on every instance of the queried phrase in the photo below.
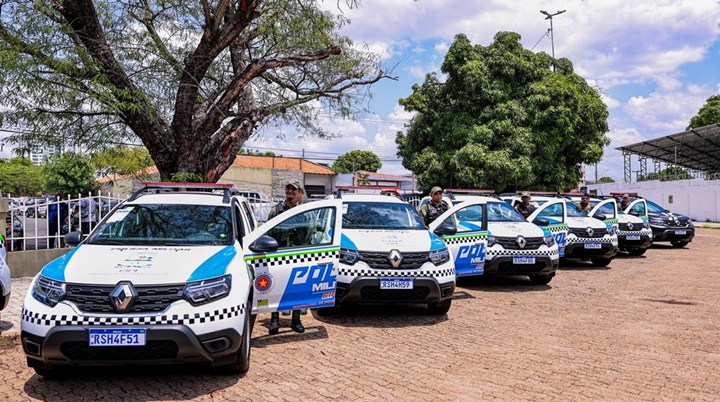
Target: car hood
(108, 265)
(583, 222)
(513, 229)
(386, 240)
(627, 218)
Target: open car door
(554, 212)
(638, 208)
(467, 244)
(609, 209)
(293, 258)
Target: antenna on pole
(549, 16)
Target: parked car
(5, 282)
(676, 228)
(634, 234)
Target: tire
(679, 243)
(637, 251)
(601, 262)
(440, 308)
(242, 357)
(541, 279)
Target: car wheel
(601, 262)
(440, 308)
(637, 251)
(242, 357)
(679, 243)
(541, 279)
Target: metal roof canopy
(697, 148)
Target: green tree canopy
(708, 114)
(121, 160)
(70, 173)
(356, 160)
(606, 179)
(670, 173)
(19, 177)
(192, 79)
(502, 120)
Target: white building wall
(699, 199)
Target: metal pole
(549, 16)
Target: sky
(655, 61)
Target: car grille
(582, 232)
(96, 299)
(374, 293)
(507, 267)
(153, 350)
(380, 260)
(676, 224)
(510, 243)
(636, 226)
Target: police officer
(293, 197)
(436, 207)
(524, 207)
(625, 202)
(584, 204)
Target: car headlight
(206, 291)
(491, 241)
(657, 221)
(549, 240)
(646, 224)
(438, 257)
(348, 256)
(48, 291)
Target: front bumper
(504, 266)
(167, 344)
(642, 243)
(578, 250)
(665, 233)
(367, 290)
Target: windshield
(502, 212)
(573, 211)
(380, 215)
(653, 207)
(166, 224)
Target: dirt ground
(643, 329)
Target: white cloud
(667, 112)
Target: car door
(638, 208)
(468, 244)
(293, 258)
(554, 211)
(609, 209)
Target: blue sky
(656, 62)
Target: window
(310, 228)
(380, 215)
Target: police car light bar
(161, 186)
(621, 194)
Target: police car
(676, 228)
(551, 219)
(388, 255)
(5, 282)
(587, 237)
(176, 274)
(492, 239)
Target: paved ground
(644, 329)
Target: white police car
(492, 239)
(389, 256)
(175, 274)
(5, 282)
(587, 238)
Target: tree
(191, 79)
(606, 179)
(668, 174)
(121, 161)
(70, 173)
(708, 114)
(502, 119)
(356, 160)
(19, 177)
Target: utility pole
(552, 39)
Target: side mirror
(600, 216)
(73, 238)
(667, 211)
(541, 222)
(445, 229)
(264, 244)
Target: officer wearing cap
(584, 204)
(436, 207)
(524, 207)
(293, 197)
(625, 202)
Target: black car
(669, 226)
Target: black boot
(274, 323)
(295, 324)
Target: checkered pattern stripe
(120, 320)
(304, 258)
(589, 240)
(632, 232)
(557, 228)
(359, 272)
(494, 253)
(465, 239)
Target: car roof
(350, 197)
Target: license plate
(524, 259)
(396, 283)
(117, 336)
(593, 245)
(632, 237)
(680, 232)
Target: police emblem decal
(263, 283)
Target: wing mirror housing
(445, 229)
(264, 244)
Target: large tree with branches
(192, 80)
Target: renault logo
(589, 231)
(630, 226)
(395, 258)
(123, 296)
(521, 242)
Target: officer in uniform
(293, 197)
(584, 204)
(436, 207)
(625, 202)
(524, 207)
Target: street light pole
(552, 39)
